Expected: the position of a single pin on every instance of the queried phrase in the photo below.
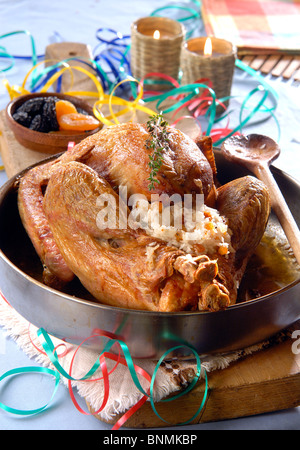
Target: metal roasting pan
(74, 316)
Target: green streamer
(243, 122)
(194, 90)
(33, 48)
(4, 54)
(31, 369)
(188, 389)
(194, 14)
(34, 55)
(257, 76)
(51, 352)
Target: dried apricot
(64, 107)
(77, 122)
(223, 250)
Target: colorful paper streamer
(114, 53)
(47, 348)
(51, 351)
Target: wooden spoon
(256, 152)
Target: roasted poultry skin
(58, 206)
(112, 263)
(117, 154)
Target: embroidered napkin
(172, 376)
(255, 25)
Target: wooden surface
(285, 66)
(266, 381)
(15, 157)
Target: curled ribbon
(101, 98)
(22, 370)
(192, 16)
(133, 369)
(51, 351)
(114, 54)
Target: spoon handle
(281, 209)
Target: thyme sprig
(158, 143)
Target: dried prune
(49, 114)
(82, 111)
(36, 123)
(32, 106)
(23, 118)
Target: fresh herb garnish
(159, 141)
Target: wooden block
(297, 75)
(248, 59)
(265, 381)
(63, 51)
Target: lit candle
(204, 47)
(156, 34)
(208, 47)
(155, 47)
(210, 58)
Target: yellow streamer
(80, 69)
(102, 99)
(111, 100)
(14, 91)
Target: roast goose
(134, 267)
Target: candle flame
(208, 47)
(156, 34)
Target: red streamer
(44, 353)
(160, 76)
(6, 301)
(105, 377)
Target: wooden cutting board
(15, 156)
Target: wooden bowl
(55, 141)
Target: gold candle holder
(155, 47)
(216, 62)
